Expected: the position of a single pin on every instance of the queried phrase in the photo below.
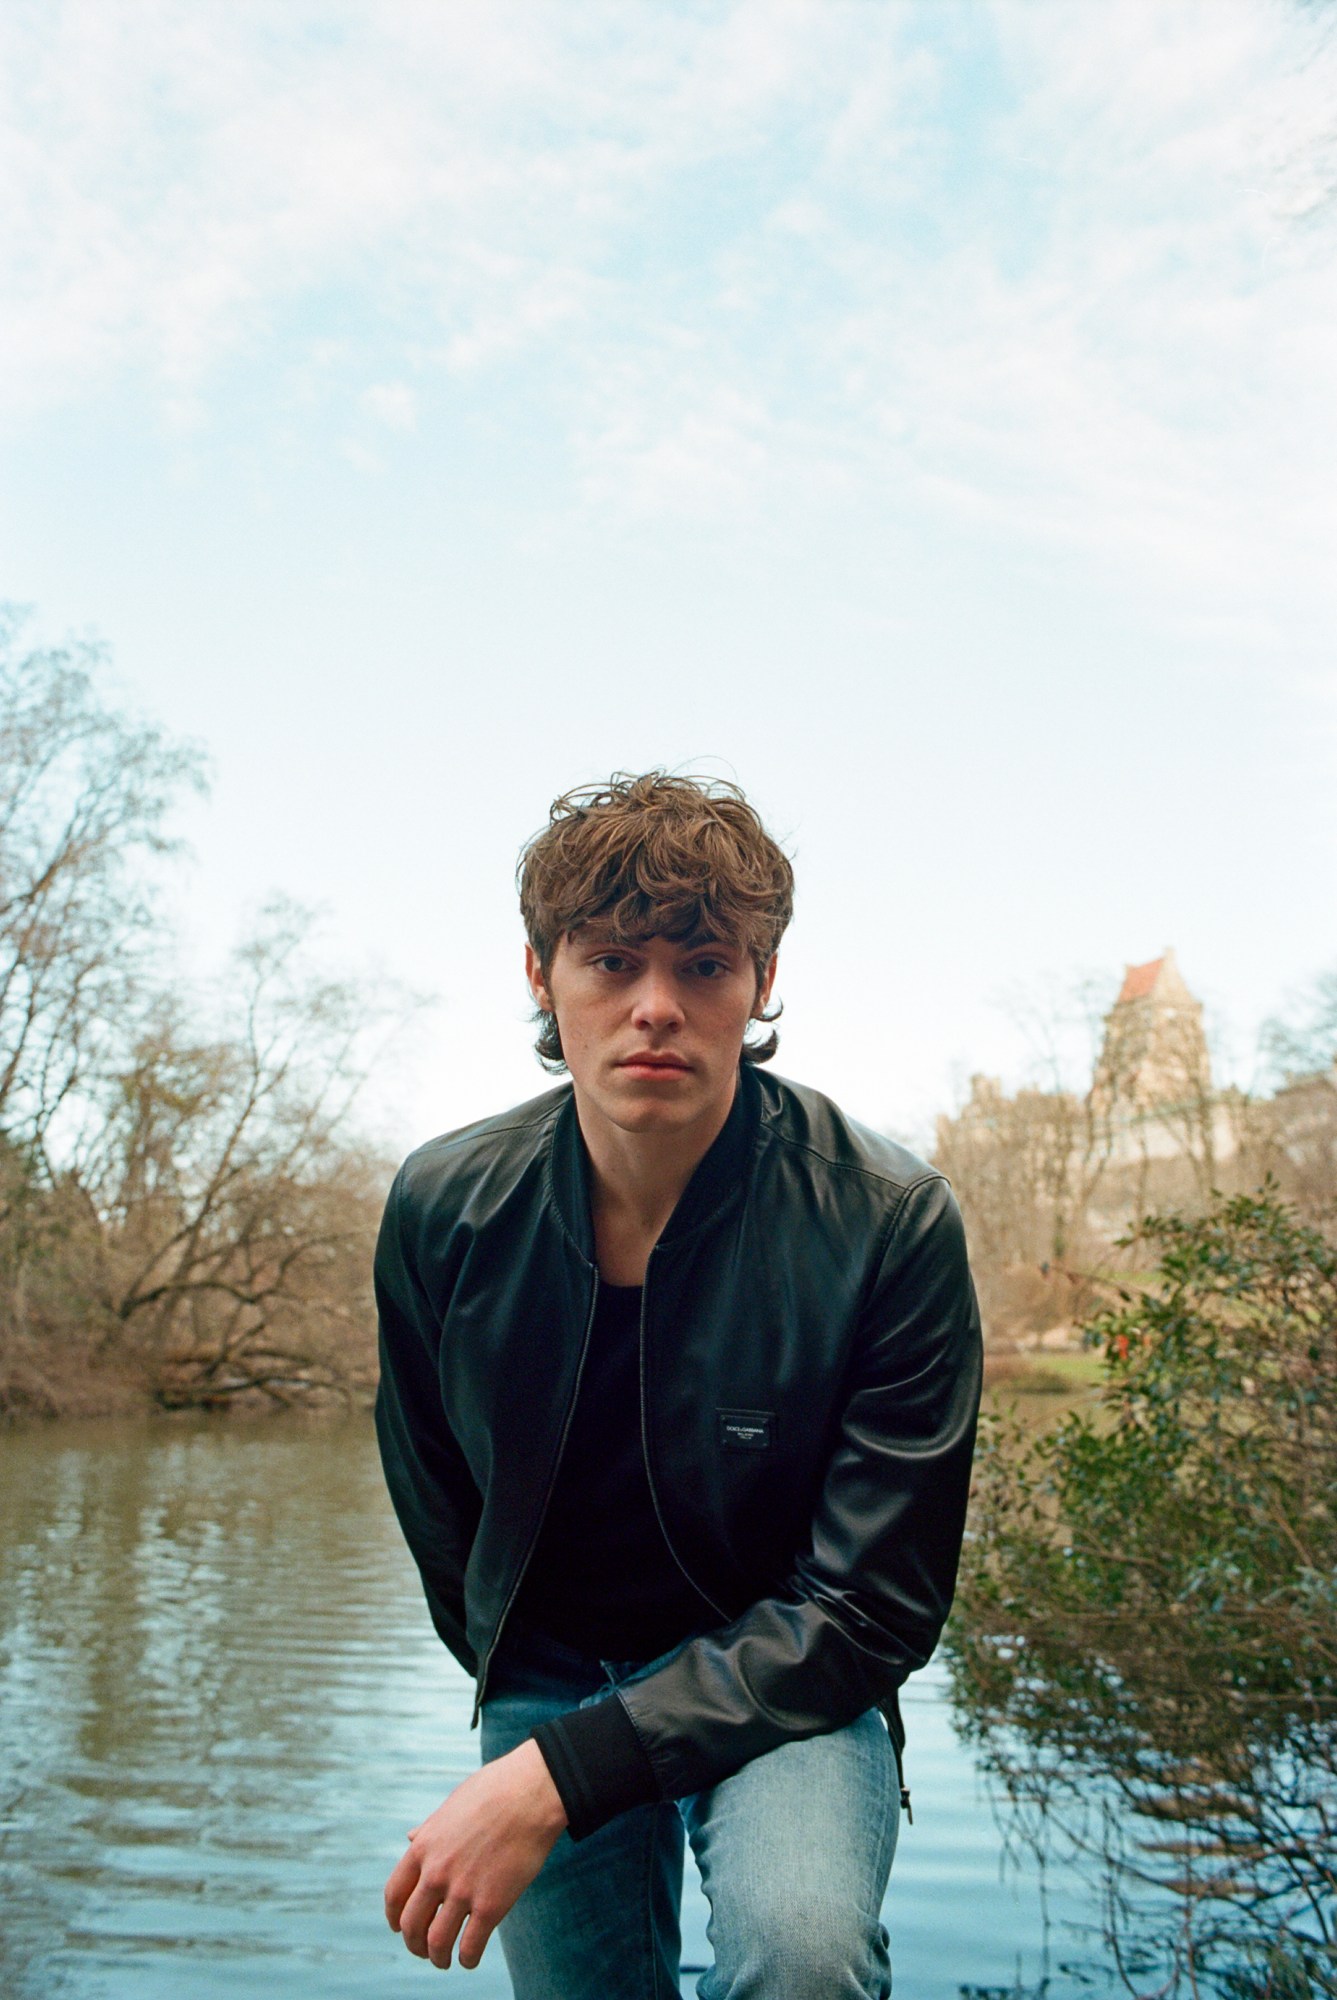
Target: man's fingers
(418, 1915)
(474, 1942)
(444, 1930)
(402, 1881)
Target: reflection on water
(222, 1706)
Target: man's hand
(473, 1856)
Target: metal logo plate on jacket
(747, 1430)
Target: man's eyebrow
(591, 941)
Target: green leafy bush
(1147, 1612)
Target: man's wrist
(548, 1800)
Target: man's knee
(795, 1851)
(805, 1951)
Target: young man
(680, 1375)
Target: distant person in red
(680, 1376)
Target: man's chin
(646, 1105)
(648, 1114)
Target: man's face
(651, 1031)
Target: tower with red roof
(1153, 1058)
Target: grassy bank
(1041, 1374)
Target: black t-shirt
(602, 1578)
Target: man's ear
(537, 984)
(764, 988)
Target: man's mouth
(647, 1060)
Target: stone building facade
(1152, 1095)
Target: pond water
(222, 1705)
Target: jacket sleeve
(430, 1484)
(868, 1595)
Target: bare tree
(1027, 1165)
(1296, 1128)
(84, 792)
(185, 1201)
(237, 1203)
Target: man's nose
(657, 1003)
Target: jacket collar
(718, 1179)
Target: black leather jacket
(810, 1379)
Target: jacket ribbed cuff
(598, 1764)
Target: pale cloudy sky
(925, 413)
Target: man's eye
(711, 968)
(611, 961)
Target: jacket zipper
(645, 1453)
(514, 1592)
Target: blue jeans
(794, 1851)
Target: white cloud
(1037, 262)
(392, 404)
(716, 453)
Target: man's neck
(636, 1182)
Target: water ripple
(221, 1704)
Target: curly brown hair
(655, 855)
